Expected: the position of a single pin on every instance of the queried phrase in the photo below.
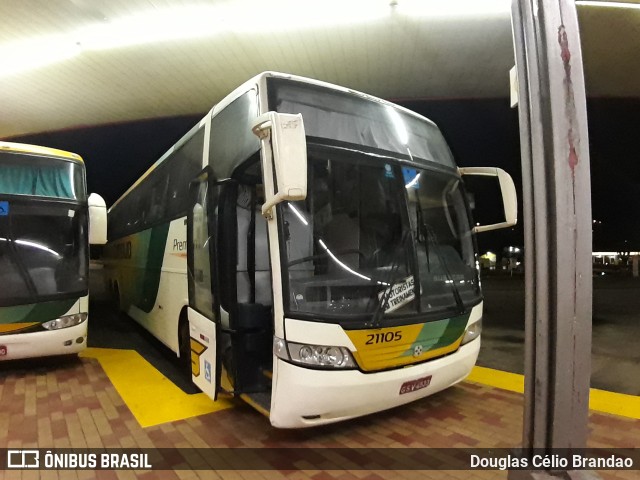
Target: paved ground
(72, 403)
(109, 329)
(81, 402)
(616, 330)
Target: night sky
(480, 133)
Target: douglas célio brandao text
(543, 462)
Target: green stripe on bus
(440, 333)
(40, 312)
(153, 267)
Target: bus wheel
(116, 298)
(185, 344)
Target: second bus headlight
(321, 356)
(65, 322)
(472, 332)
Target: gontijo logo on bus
(382, 348)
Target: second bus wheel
(115, 292)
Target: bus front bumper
(44, 344)
(304, 397)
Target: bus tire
(116, 298)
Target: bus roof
(259, 81)
(38, 150)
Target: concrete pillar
(557, 223)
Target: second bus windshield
(370, 226)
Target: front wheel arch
(115, 293)
(184, 337)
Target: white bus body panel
(331, 396)
(45, 344)
(316, 333)
(48, 343)
(202, 331)
(173, 293)
(337, 395)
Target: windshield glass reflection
(377, 237)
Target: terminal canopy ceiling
(72, 63)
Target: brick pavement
(71, 403)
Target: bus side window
(158, 200)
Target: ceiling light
(590, 3)
(180, 23)
(246, 17)
(453, 8)
(21, 56)
(286, 15)
(151, 27)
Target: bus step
(261, 401)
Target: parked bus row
(47, 222)
(308, 248)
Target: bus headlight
(321, 356)
(472, 332)
(65, 322)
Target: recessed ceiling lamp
(170, 24)
(26, 55)
(182, 23)
(187, 22)
(594, 3)
(452, 8)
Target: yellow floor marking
(616, 403)
(499, 379)
(599, 400)
(152, 398)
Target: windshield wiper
(16, 259)
(432, 240)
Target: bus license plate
(3, 351)
(413, 385)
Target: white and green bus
(44, 250)
(308, 248)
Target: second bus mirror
(507, 191)
(97, 220)
(289, 147)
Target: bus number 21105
(374, 338)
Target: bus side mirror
(508, 191)
(289, 147)
(97, 220)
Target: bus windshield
(378, 238)
(41, 176)
(361, 123)
(43, 251)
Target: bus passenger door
(203, 310)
